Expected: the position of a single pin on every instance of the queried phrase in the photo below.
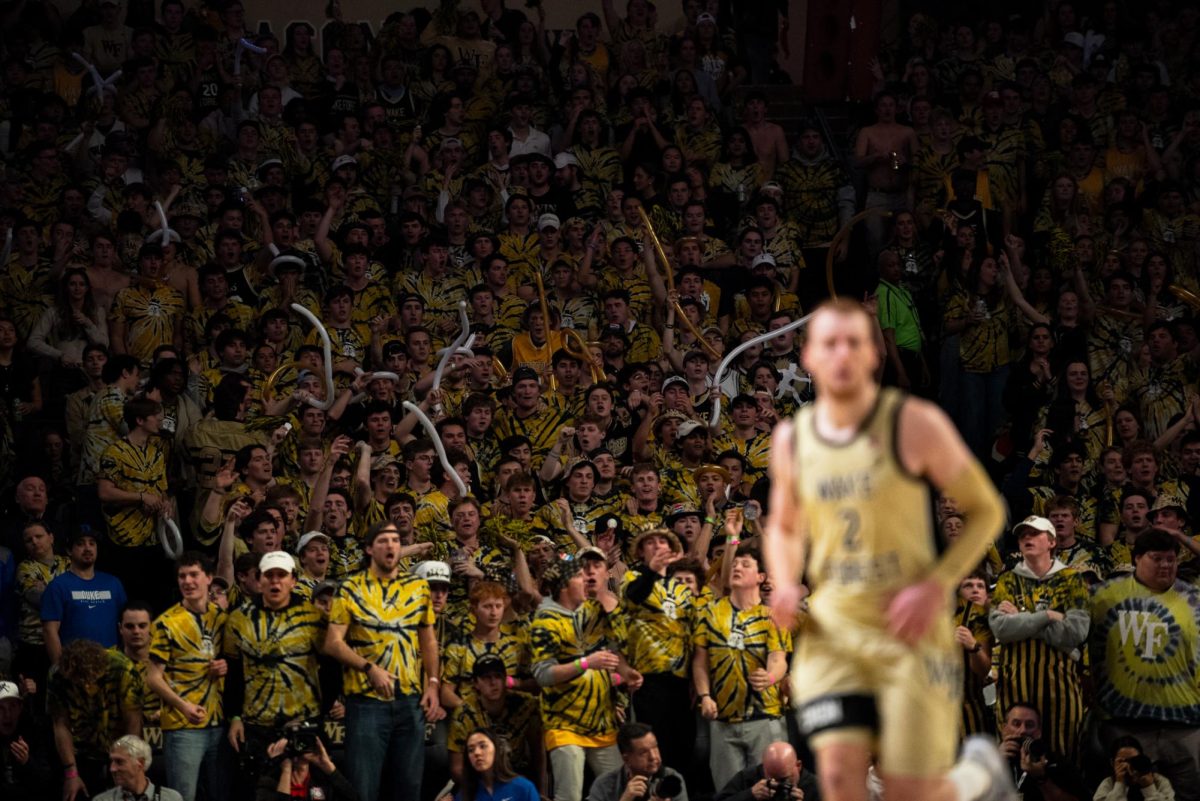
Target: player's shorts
(857, 684)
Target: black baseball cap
(489, 665)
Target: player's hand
(708, 708)
(785, 601)
(237, 734)
(913, 610)
(1007, 608)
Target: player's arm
(930, 446)
(783, 542)
(937, 452)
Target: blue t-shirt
(86, 609)
(519, 789)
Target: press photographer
(1038, 773)
(643, 776)
(305, 769)
(780, 776)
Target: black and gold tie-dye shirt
(383, 617)
(185, 643)
(279, 650)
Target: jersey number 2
(850, 538)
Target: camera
(781, 789)
(663, 786)
(301, 738)
(1140, 765)
(1037, 749)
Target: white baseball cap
(763, 258)
(565, 159)
(277, 560)
(309, 537)
(8, 690)
(342, 161)
(432, 571)
(549, 221)
(1034, 523)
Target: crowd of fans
(530, 566)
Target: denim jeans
(385, 735)
(982, 409)
(188, 752)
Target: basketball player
(877, 672)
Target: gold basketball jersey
(867, 521)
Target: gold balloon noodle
(545, 307)
(658, 248)
(1189, 298)
(575, 346)
(1128, 315)
(841, 237)
(679, 313)
(682, 317)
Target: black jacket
(740, 786)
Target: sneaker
(982, 750)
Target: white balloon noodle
(242, 45)
(328, 346)
(278, 260)
(459, 342)
(715, 419)
(99, 85)
(170, 538)
(431, 430)
(164, 233)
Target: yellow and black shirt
(133, 469)
(738, 642)
(94, 711)
(659, 625)
(30, 573)
(346, 556)
(513, 724)
(512, 646)
(184, 643)
(150, 315)
(279, 652)
(580, 711)
(541, 428)
(383, 617)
